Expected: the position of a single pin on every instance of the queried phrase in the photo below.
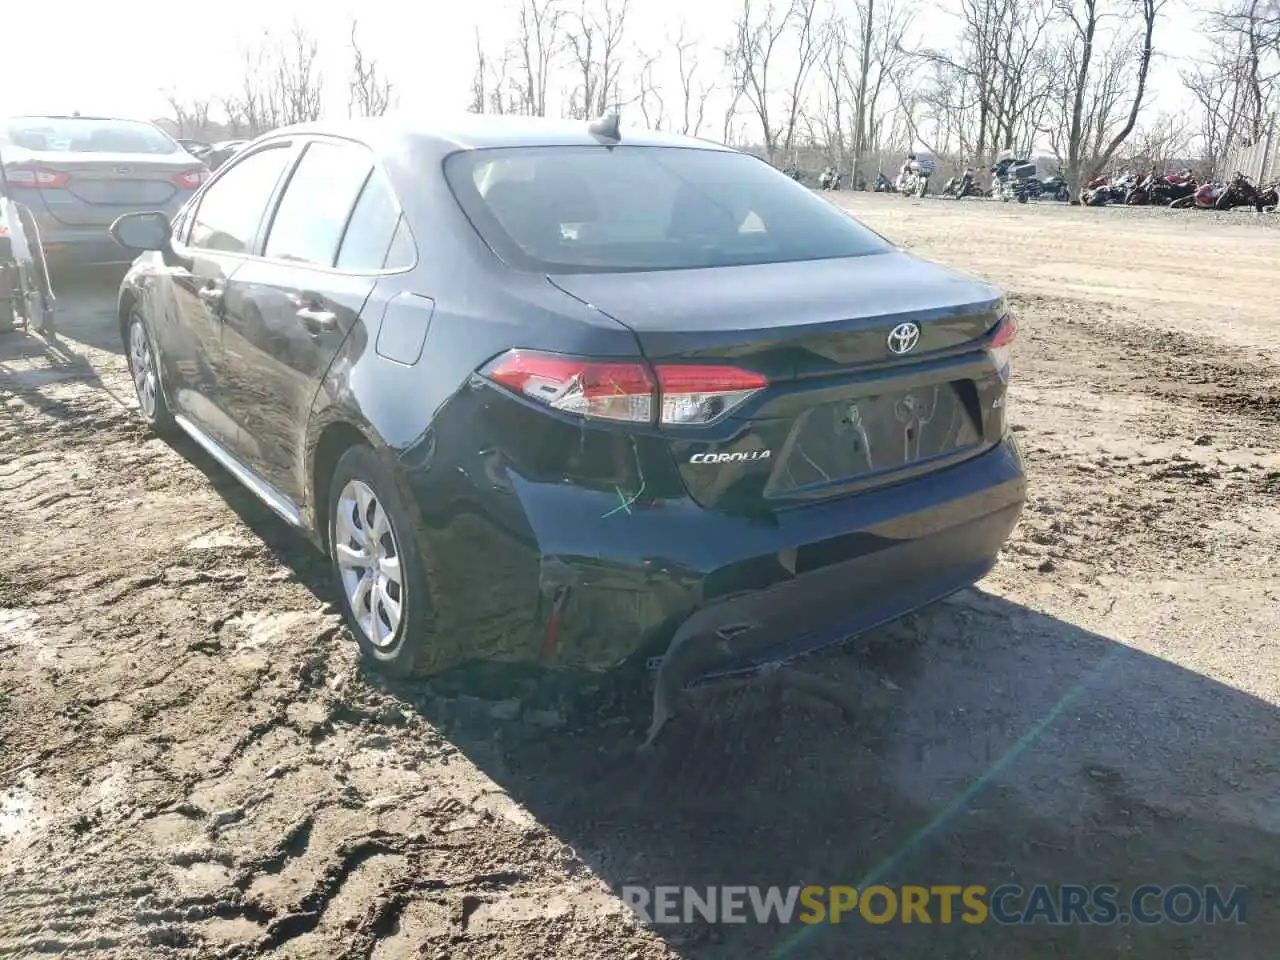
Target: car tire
(144, 371)
(379, 574)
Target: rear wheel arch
(335, 439)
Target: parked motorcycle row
(1016, 180)
(1011, 180)
(1180, 191)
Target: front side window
(596, 209)
(232, 207)
(313, 212)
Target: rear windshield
(595, 209)
(88, 135)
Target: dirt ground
(191, 762)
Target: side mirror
(142, 231)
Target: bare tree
(1237, 83)
(1160, 143)
(758, 35)
(831, 99)
(537, 46)
(732, 105)
(693, 93)
(866, 34)
(1251, 30)
(233, 111)
(948, 106)
(493, 89)
(1096, 86)
(653, 107)
(735, 92)
(370, 91)
(1219, 93)
(811, 39)
(504, 95)
(865, 59)
(1003, 76)
(594, 36)
(190, 116)
(480, 79)
(298, 88)
(255, 107)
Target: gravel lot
(192, 763)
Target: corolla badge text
(738, 457)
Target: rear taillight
(603, 390)
(190, 179)
(700, 393)
(628, 391)
(35, 178)
(1005, 333)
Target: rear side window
(403, 252)
(231, 210)
(372, 228)
(590, 209)
(89, 135)
(312, 213)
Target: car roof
(65, 116)
(469, 131)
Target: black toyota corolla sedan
(552, 393)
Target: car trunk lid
(842, 410)
(93, 189)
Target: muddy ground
(192, 763)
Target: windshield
(87, 135)
(597, 209)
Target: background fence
(1259, 160)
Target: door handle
(317, 321)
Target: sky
(117, 60)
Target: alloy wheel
(145, 383)
(369, 563)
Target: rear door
(323, 252)
(89, 171)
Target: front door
(224, 227)
(295, 305)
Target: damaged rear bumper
(699, 595)
(823, 607)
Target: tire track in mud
(218, 745)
